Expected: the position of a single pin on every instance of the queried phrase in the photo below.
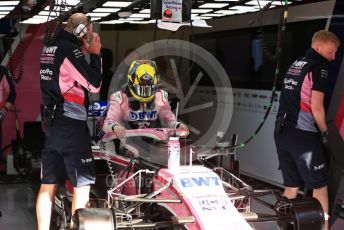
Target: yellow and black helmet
(143, 80)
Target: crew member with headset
(65, 78)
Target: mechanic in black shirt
(66, 78)
(300, 123)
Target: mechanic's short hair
(325, 36)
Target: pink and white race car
(144, 193)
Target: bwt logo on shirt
(299, 63)
(200, 181)
(49, 50)
(146, 115)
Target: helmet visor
(144, 90)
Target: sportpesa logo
(46, 74)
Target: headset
(81, 29)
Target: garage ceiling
(130, 11)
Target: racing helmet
(143, 80)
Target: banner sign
(172, 10)
(97, 109)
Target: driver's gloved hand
(185, 130)
(119, 131)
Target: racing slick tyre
(306, 212)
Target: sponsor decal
(213, 204)
(324, 73)
(97, 108)
(296, 68)
(318, 167)
(202, 189)
(299, 63)
(78, 53)
(143, 115)
(46, 74)
(47, 56)
(289, 83)
(142, 124)
(49, 49)
(88, 160)
(200, 181)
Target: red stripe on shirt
(305, 107)
(73, 98)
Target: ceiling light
(95, 19)
(255, 2)
(145, 11)
(6, 8)
(264, 2)
(116, 4)
(279, 3)
(33, 21)
(140, 16)
(201, 11)
(67, 2)
(243, 9)
(212, 15)
(261, 3)
(109, 10)
(9, 3)
(98, 14)
(259, 8)
(130, 19)
(52, 13)
(226, 12)
(42, 17)
(213, 5)
(112, 22)
(139, 22)
(200, 17)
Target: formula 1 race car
(143, 193)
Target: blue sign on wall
(97, 109)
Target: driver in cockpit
(140, 103)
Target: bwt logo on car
(200, 181)
(146, 115)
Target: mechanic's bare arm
(318, 110)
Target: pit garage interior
(230, 103)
